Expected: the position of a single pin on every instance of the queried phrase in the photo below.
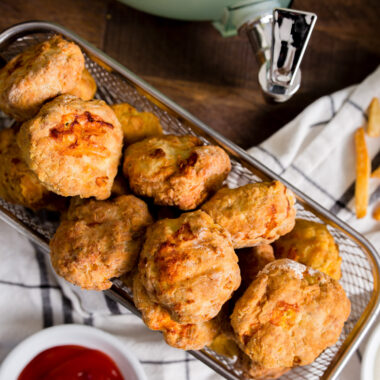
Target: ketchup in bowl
(71, 363)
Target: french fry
(363, 167)
(376, 173)
(373, 128)
(376, 213)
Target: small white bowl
(86, 336)
(371, 350)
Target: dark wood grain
(213, 77)
(85, 17)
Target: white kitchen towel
(314, 152)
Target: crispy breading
(257, 213)
(99, 240)
(86, 87)
(18, 184)
(289, 315)
(253, 370)
(175, 170)
(73, 146)
(312, 244)
(136, 125)
(252, 260)
(41, 72)
(188, 266)
(184, 336)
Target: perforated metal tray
(360, 266)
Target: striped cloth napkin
(314, 152)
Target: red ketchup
(71, 363)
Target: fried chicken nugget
(48, 69)
(253, 260)
(175, 170)
(99, 240)
(289, 315)
(136, 125)
(257, 213)
(86, 87)
(311, 243)
(18, 184)
(188, 266)
(73, 146)
(184, 336)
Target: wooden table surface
(215, 78)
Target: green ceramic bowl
(197, 10)
(227, 15)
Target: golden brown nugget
(257, 213)
(254, 371)
(18, 184)
(175, 170)
(312, 244)
(136, 125)
(99, 240)
(253, 260)
(289, 315)
(73, 146)
(42, 72)
(188, 266)
(184, 336)
(86, 87)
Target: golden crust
(253, 214)
(40, 73)
(254, 371)
(188, 266)
(86, 87)
(253, 260)
(289, 315)
(184, 336)
(18, 184)
(311, 243)
(175, 170)
(136, 125)
(99, 240)
(73, 146)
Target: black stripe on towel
(89, 321)
(67, 308)
(113, 307)
(47, 311)
(273, 157)
(187, 366)
(350, 192)
(374, 196)
(349, 101)
(160, 362)
(27, 286)
(320, 123)
(332, 103)
(321, 189)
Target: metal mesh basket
(360, 268)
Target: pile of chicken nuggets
(232, 269)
